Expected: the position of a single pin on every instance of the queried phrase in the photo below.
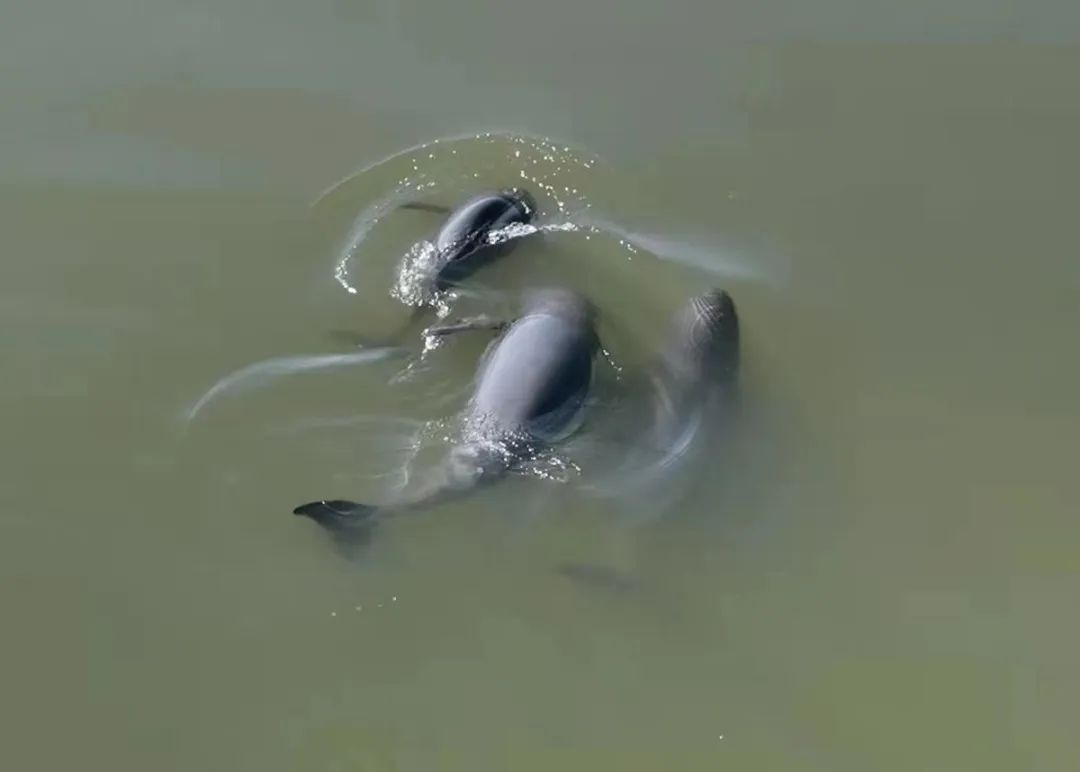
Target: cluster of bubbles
(412, 286)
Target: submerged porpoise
(694, 370)
(529, 392)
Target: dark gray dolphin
(529, 392)
(698, 360)
(692, 381)
(693, 375)
(463, 243)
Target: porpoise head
(464, 243)
(707, 335)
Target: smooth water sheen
(877, 569)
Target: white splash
(414, 285)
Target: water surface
(878, 572)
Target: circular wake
(574, 192)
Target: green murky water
(879, 572)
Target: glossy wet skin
(530, 389)
(536, 377)
(462, 242)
